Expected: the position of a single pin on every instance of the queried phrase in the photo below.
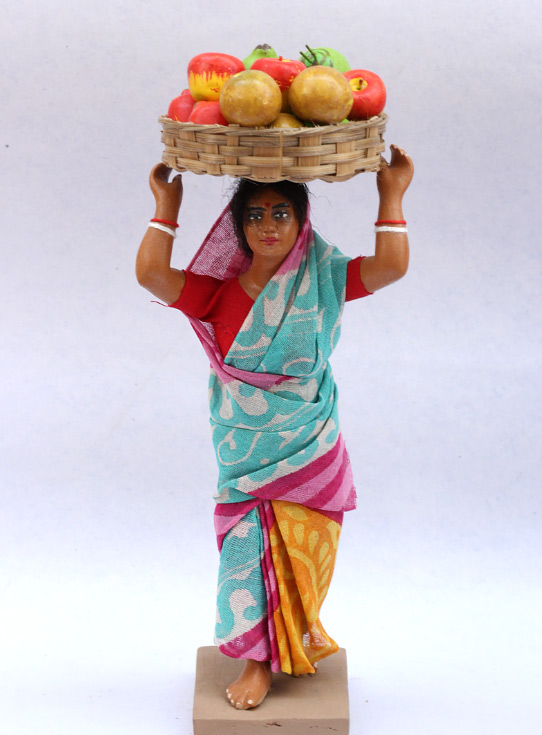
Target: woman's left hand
(393, 178)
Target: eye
(281, 215)
(254, 217)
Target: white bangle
(168, 230)
(391, 229)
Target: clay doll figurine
(264, 294)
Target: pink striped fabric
(331, 472)
(253, 644)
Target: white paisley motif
(230, 441)
(226, 409)
(274, 308)
(261, 345)
(253, 405)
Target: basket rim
(351, 125)
(328, 152)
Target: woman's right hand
(153, 263)
(168, 194)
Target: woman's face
(270, 225)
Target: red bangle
(390, 222)
(164, 222)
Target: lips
(269, 240)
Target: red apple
(369, 94)
(207, 112)
(181, 107)
(283, 71)
(208, 72)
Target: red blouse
(225, 304)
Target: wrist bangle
(163, 228)
(167, 222)
(390, 222)
(391, 229)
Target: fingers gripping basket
(328, 152)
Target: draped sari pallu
(284, 473)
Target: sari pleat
(304, 545)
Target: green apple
(324, 56)
(263, 51)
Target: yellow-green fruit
(285, 120)
(250, 98)
(321, 94)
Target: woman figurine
(265, 295)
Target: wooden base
(305, 705)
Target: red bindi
(267, 205)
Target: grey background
(107, 470)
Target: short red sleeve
(197, 296)
(223, 304)
(354, 285)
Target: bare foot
(250, 688)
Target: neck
(256, 278)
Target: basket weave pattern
(328, 152)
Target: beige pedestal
(306, 705)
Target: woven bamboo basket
(327, 152)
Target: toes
(236, 704)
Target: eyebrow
(275, 206)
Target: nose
(268, 223)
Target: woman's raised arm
(153, 263)
(390, 261)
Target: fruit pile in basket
(267, 90)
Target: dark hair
(245, 190)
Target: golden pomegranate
(250, 98)
(285, 120)
(321, 94)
